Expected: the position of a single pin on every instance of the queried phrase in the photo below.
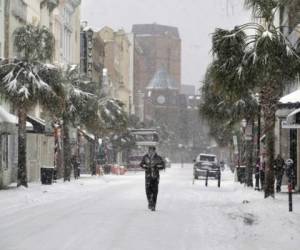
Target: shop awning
(7, 119)
(291, 122)
(87, 135)
(38, 124)
(288, 108)
(291, 118)
(90, 136)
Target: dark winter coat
(279, 166)
(152, 165)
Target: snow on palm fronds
(24, 82)
(263, 8)
(112, 114)
(254, 47)
(73, 81)
(73, 97)
(34, 43)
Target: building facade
(20, 12)
(166, 108)
(117, 61)
(2, 28)
(91, 55)
(66, 30)
(287, 122)
(156, 47)
(188, 89)
(62, 17)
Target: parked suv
(206, 162)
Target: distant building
(117, 61)
(156, 47)
(187, 89)
(166, 107)
(160, 100)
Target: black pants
(262, 179)
(278, 181)
(152, 190)
(256, 181)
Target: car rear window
(207, 158)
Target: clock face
(161, 99)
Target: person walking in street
(75, 163)
(257, 166)
(262, 168)
(152, 163)
(279, 170)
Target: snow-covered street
(110, 213)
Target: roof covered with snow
(5, 116)
(292, 98)
(162, 80)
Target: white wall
(66, 29)
(1, 28)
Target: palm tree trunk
(249, 158)
(66, 149)
(22, 171)
(95, 155)
(270, 96)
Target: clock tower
(161, 97)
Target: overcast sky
(195, 19)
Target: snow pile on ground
(110, 213)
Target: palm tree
(24, 81)
(222, 111)
(231, 89)
(267, 63)
(73, 102)
(103, 116)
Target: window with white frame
(66, 38)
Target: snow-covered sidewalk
(110, 213)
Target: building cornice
(51, 4)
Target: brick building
(156, 47)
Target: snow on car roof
(207, 155)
